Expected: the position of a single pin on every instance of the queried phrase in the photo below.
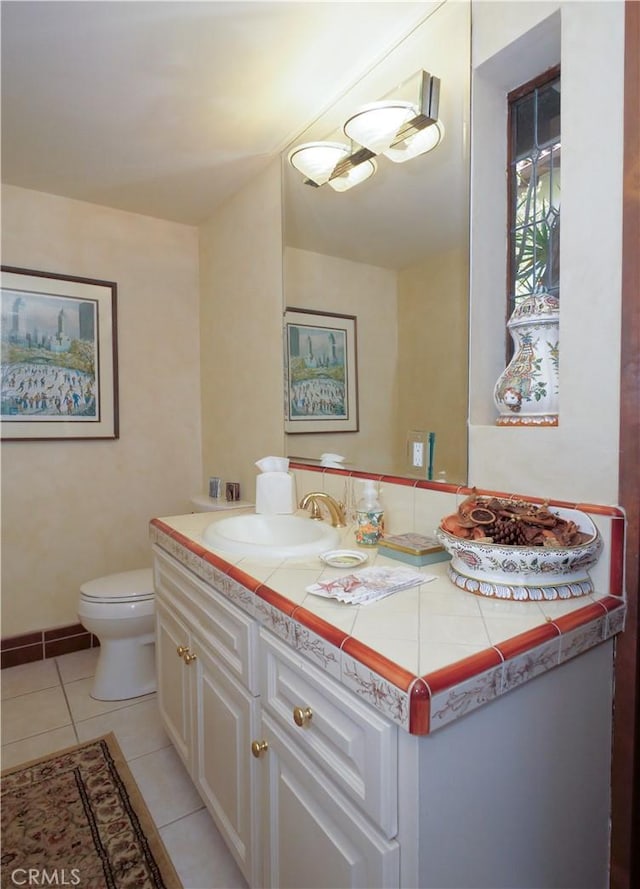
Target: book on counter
(415, 549)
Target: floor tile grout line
(66, 700)
(22, 694)
(39, 734)
(179, 818)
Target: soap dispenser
(369, 516)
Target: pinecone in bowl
(511, 523)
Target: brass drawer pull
(302, 716)
(182, 650)
(189, 657)
(258, 748)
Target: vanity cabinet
(207, 701)
(314, 788)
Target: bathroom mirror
(393, 251)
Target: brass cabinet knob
(302, 716)
(258, 748)
(189, 657)
(182, 650)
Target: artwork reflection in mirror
(393, 251)
(321, 377)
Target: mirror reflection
(393, 251)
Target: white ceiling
(166, 108)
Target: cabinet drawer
(230, 634)
(354, 745)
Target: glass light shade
(317, 160)
(423, 141)
(353, 176)
(375, 125)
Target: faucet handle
(316, 512)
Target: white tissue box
(275, 493)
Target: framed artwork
(59, 357)
(321, 372)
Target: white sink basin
(273, 536)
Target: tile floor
(46, 706)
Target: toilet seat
(128, 586)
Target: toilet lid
(121, 587)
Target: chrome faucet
(335, 509)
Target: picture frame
(59, 357)
(321, 371)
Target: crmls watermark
(36, 876)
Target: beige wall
(72, 511)
(241, 333)
(512, 42)
(432, 367)
(327, 283)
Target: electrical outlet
(417, 451)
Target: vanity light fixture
(332, 163)
(397, 127)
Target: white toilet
(120, 610)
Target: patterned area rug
(77, 818)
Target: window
(534, 188)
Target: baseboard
(42, 644)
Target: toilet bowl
(120, 610)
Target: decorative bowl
(525, 573)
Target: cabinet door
(354, 745)
(225, 720)
(315, 837)
(173, 680)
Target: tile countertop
(423, 656)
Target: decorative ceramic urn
(526, 393)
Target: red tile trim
(319, 626)
(505, 495)
(596, 509)
(242, 577)
(616, 564)
(196, 548)
(64, 646)
(26, 654)
(426, 485)
(20, 641)
(516, 645)
(578, 618)
(397, 480)
(63, 632)
(277, 600)
(193, 547)
(462, 670)
(307, 468)
(372, 475)
(381, 665)
(162, 526)
(40, 644)
(611, 603)
(419, 708)
(216, 561)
